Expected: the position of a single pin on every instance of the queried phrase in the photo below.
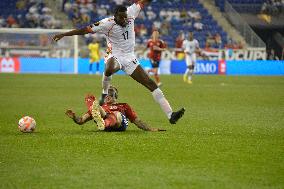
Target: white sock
(190, 74)
(164, 104)
(186, 72)
(106, 83)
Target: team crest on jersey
(95, 24)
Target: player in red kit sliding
(111, 116)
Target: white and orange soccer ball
(27, 124)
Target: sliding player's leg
(105, 121)
(94, 110)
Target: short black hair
(120, 8)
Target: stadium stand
(27, 14)
(171, 16)
(265, 17)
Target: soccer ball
(27, 124)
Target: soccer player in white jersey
(119, 32)
(190, 47)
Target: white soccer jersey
(190, 46)
(122, 39)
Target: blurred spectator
(43, 40)
(272, 56)
(183, 14)
(198, 25)
(272, 7)
(210, 38)
(176, 15)
(85, 18)
(11, 22)
(165, 28)
(178, 45)
(67, 6)
(218, 40)
(76, 16)
(233, 45)
(141, 15)
(150, 13)
(2, 22)
(163, 14)
(102, 11)
(143, 30)
(21, 4)
(118, 2)
(192, 13)
(156, 25)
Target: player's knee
(151, 85)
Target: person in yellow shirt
(94, 48)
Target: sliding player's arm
(132, 116)
(144, 126)
(79, 120)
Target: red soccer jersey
(154, 54)
(121, 107)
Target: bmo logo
(9, 65)
(206, 67)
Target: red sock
(110, 121)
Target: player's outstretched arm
(79, 120)
(82, 31)
(144, 2)
(144, 126)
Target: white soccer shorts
(190, 59)
(128, 63)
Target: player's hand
(70, 113)
(57, 37)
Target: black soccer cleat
(102, 100)
(176, 116)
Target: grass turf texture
(231, 136)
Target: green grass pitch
(231, 136)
